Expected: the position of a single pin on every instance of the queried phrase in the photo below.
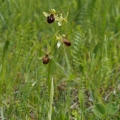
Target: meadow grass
(76, 78)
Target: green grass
(77, 77)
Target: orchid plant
(53, 16)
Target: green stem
(51, 95)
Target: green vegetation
(81, 81)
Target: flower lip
(50, 18)
(54, 16)
(66, 42)
(46, 59)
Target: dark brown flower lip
(50, 18)
(66, 42)
(46, 59)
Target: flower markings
(50, 18)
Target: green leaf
(112, 108)
(5, 48)
(98, 109)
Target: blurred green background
(85, 73)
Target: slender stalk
(51, 95)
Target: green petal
(45, 14)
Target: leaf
(98, 109)
(5, 48)
(112, 108)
